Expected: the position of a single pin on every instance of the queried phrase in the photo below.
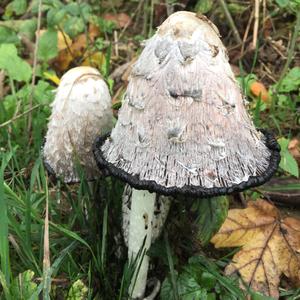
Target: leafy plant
(211, 215)
(17, 68)
(288, 162)
(201, 279)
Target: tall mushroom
(183, 128)
(81, 111)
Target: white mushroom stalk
(81, 111)
(144, 215)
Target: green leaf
(23, 286)
(16, 6)
(291, 82)
(188, 288)
(282, 3)
(212, 213)
(16, 68)
(75, 9)
(73, 26)
(236, 8)
(77, 291)
(258, 296)
(207, 280)
(288, 162)
(28, 28)
(246, 81)
(55, 16)
(43, 92)
(48, 45)
(228, 286)
(8, 36)
(204, 6)
(291, 5)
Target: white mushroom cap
(183, 127)
(81, 111)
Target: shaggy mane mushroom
(81, 111)
(183, 128)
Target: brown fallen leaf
(294, 149)
(121, 20)
(75, 49)
(270, 246)
(95, 60)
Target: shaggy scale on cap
(81, 111)
(183, 127)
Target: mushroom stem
(139, 239)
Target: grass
(59, 240)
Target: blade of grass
(291, 50)
(104, 237)
(4, 246)
(227, 283)
(4, 286)
(55, 266)
(171, 266)
(46, 260)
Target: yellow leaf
(94, 60)
(63, 40)
(270, 246)
(52, 77)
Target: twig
(36, 48)
(132, 17)
(66, 41)
(87, 36)
(19, 116)
(231, 22)
(27, 43)
(246, 33)
(264, 12)
(116, 43)
(291, 50)
(145, 23)
(151, 18)
(268, 71)
(256, 22)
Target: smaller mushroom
(81, 110)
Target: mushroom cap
(183, 127)
(81, 111)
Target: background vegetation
(63, 241)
